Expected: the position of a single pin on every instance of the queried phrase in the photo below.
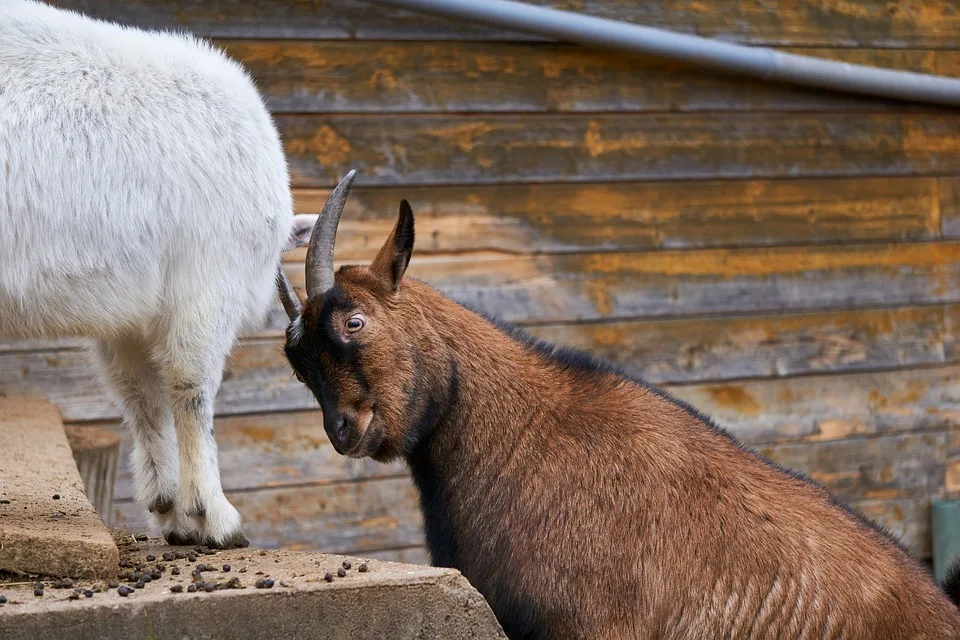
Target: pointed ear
(391, 263)
(300, 231)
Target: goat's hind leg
(193, 369)
(148, 416)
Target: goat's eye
(355, 323)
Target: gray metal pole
(760, 62)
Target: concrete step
(387, 600)
(47, 524)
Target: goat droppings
(124, 591)
(328, 577)
(346, 564)
(362, 568)
(38, 592)
(177, 588)
(191, 588)
(341, 572)
(3, 599)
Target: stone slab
(389, 600)
(47, 524)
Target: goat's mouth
(359, 448)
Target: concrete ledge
(47, 524)
(388, 601)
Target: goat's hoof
(162, 505)
(178, 539)
(235, 541)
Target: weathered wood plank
(831, 407)
(571, 287)
(717, 348)
(531, 148)
(349, 517)
(631, 216)
(365, 77)
(934, 23)
(270, 450)
(259, 379)
(950, 207)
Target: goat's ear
(301, 231)
(391, 263)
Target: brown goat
(581, 501)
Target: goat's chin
(369, 442)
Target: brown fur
(583, 503)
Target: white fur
(144, 203)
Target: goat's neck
(505, 400)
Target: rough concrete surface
(387, 601)
(47, 524)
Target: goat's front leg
(148, 417)
(193, 377)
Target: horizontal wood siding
(786, 259)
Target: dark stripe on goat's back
(576, 360)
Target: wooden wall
(786, 259)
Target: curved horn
(288, 297)
(320, 252)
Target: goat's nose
(342, 428)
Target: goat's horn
(320, 252)
(288, 297)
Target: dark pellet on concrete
(169, 556)
(124, 591)
(146, 578)
(175, 571)
(346, 564)
(113, 584)
(74, 596)
(202, 567)
(56, 496)
(140, 585)
(191, 557)
(66, 583)
(38, 585)
(259, 583)
(268, 584)
(38, 592)
(362, 568)
(177, 588)
(328, 577)
(226, 568)
(141, 537)
(209, 587)
(88, 593)
(151, 558)
(156, 575)
(191, 588)
(3, 599)
(341, 572)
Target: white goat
(144, 203)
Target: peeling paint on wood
(428, 150)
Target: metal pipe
(760, 62)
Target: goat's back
(137, 170)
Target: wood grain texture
(270, 450)
(350, 517)
(572, 287)
(832, 407)
(950, 207)
(422, 149)
(561, 218)
(259, 379)
(718, 348)
(932, 23)
(395, 77)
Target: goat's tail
(951, 584)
